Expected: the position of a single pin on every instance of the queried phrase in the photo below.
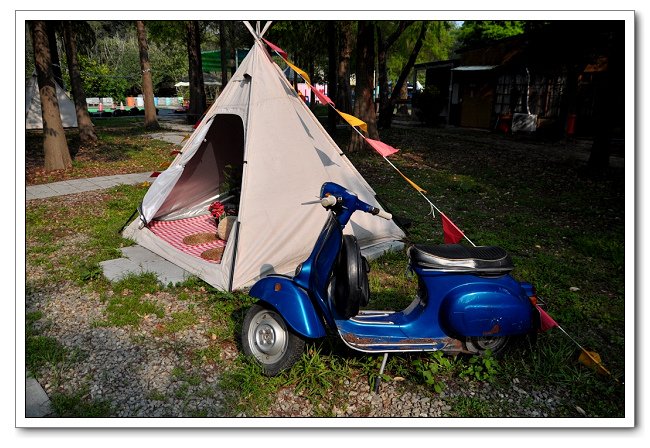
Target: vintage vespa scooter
(466, 300)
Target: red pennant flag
(280, 51)
(546, 321)
(382, 148)
(451, 233)
(324, 99)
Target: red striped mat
(173, 233)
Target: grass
(564, 231)
(123, 147)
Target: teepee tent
(258, 130)
(33, 115)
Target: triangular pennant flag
(546, 321)
(300, 72)
(452, 234)
(324, 99)
(381, 147)
(353, 121)
(413, 184)
(280, 51)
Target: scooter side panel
(492, 310)
(292, 302)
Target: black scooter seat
(487, 260)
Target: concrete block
(37, 403)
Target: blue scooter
(466, 301)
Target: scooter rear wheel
(266, 337)
(498, 345)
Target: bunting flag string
(322, 98)
(302, 73)
(278, 50)
(452, 234)
(450, 231)
(587, 358)
(353, 121)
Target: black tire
(499, 345)
(351, 291)
(267, 338)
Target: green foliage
(126, 306)
(476, 32)
(79, 405)
(100, 80)
(316, 375)
(431, 367)
(470, 407)
(481, 368)
(248, 390)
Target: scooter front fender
(292, 302)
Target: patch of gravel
(145, 373)
(139, 372)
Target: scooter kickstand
(381, 372)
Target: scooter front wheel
(266, 337)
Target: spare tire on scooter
(351, 290)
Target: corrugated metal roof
(474, 68)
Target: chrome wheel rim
(267, 337)
(489, 343)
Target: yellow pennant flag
(413, 184)
(300, 72)
(353, 121)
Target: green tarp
(212, 60)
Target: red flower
(217, 209)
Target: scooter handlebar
(381, 213)
(328, 201)
(331, 200)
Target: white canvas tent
(259, 124)
(33, 115)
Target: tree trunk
(383, 45)
(310, 72)
(609, 104)
(397, 88)
(86, 129)
(224, 44)
(150, 119)
(55, 145)
(332, 63)
(54, 52)
(197, 88)
(364, 106)
(343, 97)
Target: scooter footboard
(492, 311)
(292, 302)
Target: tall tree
(55, 145)
(197, 88)
(86, 129)
(224, 44)
(364, 105)
(150, 118)
(474, 32)
(54, 51)
(332, 63)
(344, 92)
(400, 87)
(383, 45)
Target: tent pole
(234, 258)
(127, 221)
